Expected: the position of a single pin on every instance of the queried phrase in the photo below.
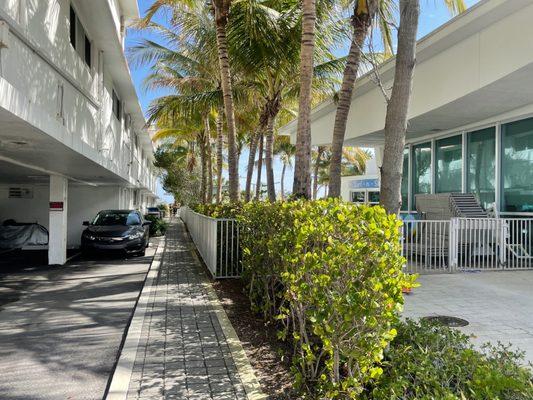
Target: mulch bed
(269, 356)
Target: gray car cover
(17, 236)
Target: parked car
(124, 230)
(154, 211)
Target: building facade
(72, 133)
(471, 117)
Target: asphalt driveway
(61, 328)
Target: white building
(471, 116)
(72, 136)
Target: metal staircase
(465, 205)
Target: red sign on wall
(56, 206)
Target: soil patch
(269, 357)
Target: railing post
(503, 235)
(453, 245)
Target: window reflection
(482, 165)
(449, 165)
(421, 169)
(517, 166)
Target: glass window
(358, 197)
(481, 168)
(117, 109)
(78, 37)
(517, 166)
(405, 180)
(373, 197)
(449, 165)
(72, 21)
(421, 169)
(133, 219)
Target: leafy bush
(331, 273)
(158, 226)
(427, 361)
(223, 210)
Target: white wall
(86, 112)
(33, 210)
(84, 202)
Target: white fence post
(453, 245)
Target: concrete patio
(497, 305)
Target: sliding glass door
(421, 170)
(481, 165)
(449, 165)
(517, 166)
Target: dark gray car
(124, 230)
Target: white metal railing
(425, 245)
(217, 241)
(428, 246)
(467, 244)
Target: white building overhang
(24, 147)
(475, 69)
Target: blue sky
(433, 15)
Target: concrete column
(57, 240)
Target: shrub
(331, 272)
(223, 210)
(158, 226)
(427, 361)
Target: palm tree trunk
(221, 19)
(361, 24)
(209, 156)
(398, 107)
(220, 145)
(269, 157)
(250, 168)
(259, 167)
(319, 152)
(302, 165)
(283, 181)
(203, 166)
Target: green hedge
(331, 273)
(427, 361)
(158, 226)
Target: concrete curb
(244, 368)
(118, 389)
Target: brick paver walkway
(183, 353)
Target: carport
(55, 182)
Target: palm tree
(364, 15)
(285, 150)
(302, 177)
(268, 58)
(361, 21)
(398, 104)
(353, 162)
(219, 9)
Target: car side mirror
(86, 223)
(147, 223)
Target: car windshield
(153, 209)
(108, 218)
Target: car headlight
(136, 235)
(88, 235)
